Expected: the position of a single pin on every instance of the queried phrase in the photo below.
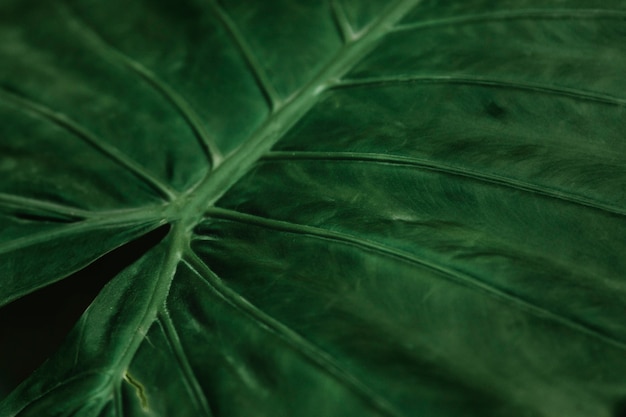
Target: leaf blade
(429, 206)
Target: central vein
(192, 206)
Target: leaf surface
(410, 208)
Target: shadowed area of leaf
(33, 327)
(620, 408)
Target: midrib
(193, 205)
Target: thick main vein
(178, 240)
(291, 110)
(387, 251)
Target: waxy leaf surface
(374, 208)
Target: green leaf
(409, 208)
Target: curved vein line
(425, 164)
(149, 315)
(277, 124)
(341, 21)
(96, 143)
(445, 79)
(130, 218)
(171, 335)
(101, 406)
(81, 333)
(117, 398)
(258, 72)
(297, 342)
(24, 204)
(95, 372)
(384, 250)
(549, 14)
(158, 293)
(205, 140)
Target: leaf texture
(408, 208)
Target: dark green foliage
(375, 208)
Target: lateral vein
(341, 21)
(504, 84)
(95, 142)
(258, 71)
(375, 158)
(205, 140)
(202, 402)
(549, 14)
(384, 250)
(297, 342)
